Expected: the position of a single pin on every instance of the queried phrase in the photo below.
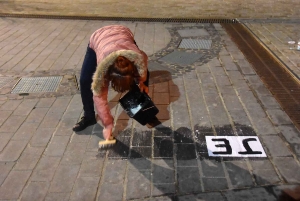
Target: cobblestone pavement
(213, 93)
(157, 8)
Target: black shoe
(83, 123)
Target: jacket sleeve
(145, 60)
(103, 109)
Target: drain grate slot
(195, 44)
(174, 20)
(37, 84)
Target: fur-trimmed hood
(103, 67)
(112, 41)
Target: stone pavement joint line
(218, 94)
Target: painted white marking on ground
(234, 146)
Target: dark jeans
(88, 69)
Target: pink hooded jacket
(109, 42)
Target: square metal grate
(37, 84)
(195, 44)
(4, 81)
(193, 32)
(181, 58)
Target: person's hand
(107, 132)
(144, 88)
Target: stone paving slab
(218, 95)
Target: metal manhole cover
(181, 58)
(37, 84)
(4, 81)
(193, 32)
(195, 44)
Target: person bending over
(112, 58)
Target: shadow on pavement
(180, 169)
(168, 164)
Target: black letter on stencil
(226, 145)
(248, 148)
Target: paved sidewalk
(218, 94)
(275, 35)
